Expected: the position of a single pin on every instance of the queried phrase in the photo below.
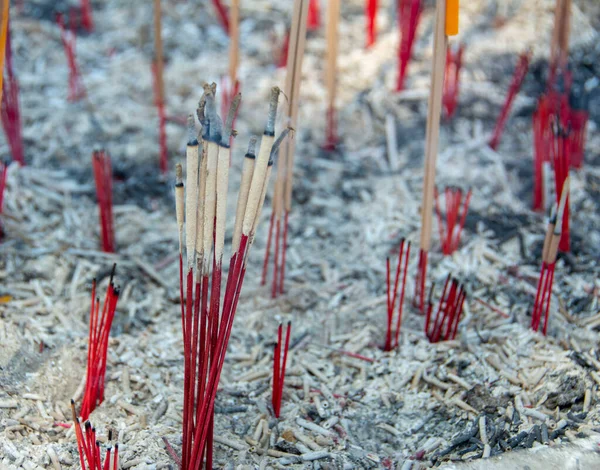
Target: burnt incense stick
(371, 16)
(450, 227)
(89, 449)
(392, 294)
(444, 325)
(282, 198)
(206, 320)
(440, 41)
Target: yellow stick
(3, 35)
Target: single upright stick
(158, 68)
(440, 40)
(282, 198)
(392, 294)
(4, 4)
(333, 17)
(279, 365)
(559, 46)
(371, 16)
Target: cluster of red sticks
(549, 254)
(162, 121)
(102, 167)
(89, 448)
(3, 171)
(449, 311)
(100, 324)
(451, 231)
(76, 88)
(206, 322)
(559, 153)
(409, 14)
(392, 294)
(451, 79)
(279, 367)
(515, 85)
(371, 14)
(11, 114)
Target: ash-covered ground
(534, 399)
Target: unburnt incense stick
(282, 198)
(314, 15)
(333, 17)
(102, 167)
(450, 227)
(159, 85)
(409, 13)
(440, 40)
(371, 16)
(76, 88)
(444, 325)
(559, 46)
(206, 320)
(4, 4)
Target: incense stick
(159, 86)
(282, 198)
(4, 4)
(431, 147)
(333, 16)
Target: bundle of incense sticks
(86, 16)
(452, 80)
(279, 365)
(559, 153)
(409, 14)
(282, 198)
(159, 87)
(100, 324)
(333, 18)
(392, 294)
(517, 80)
(549, 254)
(314, 15)
(451, 231)
(76, 88)
(445, 324)
(3, 171)
(446, 24)
(9, 107)
(4, 12)
(222, 14)
(102, 167)
(90, 454)
(371, 15)
(578, 119)
(201, 210)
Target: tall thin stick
(559, 46)
(333, 17)
(158, 68)
(282, 198)
(4, 4)
(440, 41)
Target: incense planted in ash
(102, 168)
(9, 107)
(277, 239)
(409, 14)
(68, 38)
(443, 326)
(451, 226)
(201, 209)
(399, 281)
(280, 357)
(99, 331)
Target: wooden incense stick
(158, 51)
(4, 4)
(282, 198)
(234, 38)
(559, 47)
(333, 16)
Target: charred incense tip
(270, 127)
(251, 153)
(277, 144)
(191, 125)
(112, 273)
(233, 109)
(178, 175)
(116, 447)
(87, 425)
(110, 433)
(215, 125)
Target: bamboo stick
(4, 4)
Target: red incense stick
(86, 15)
(559, 153)
(452, 79)
(314, 15)
(279, 365)
(409, 14)
(222, 14)
(444, 325)
(99, 331)
(102, 167)
(371, 16)
(451, 230)
(9, 108)
(392, 294)
(76, 88)
(89, 449)
(517, 80)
